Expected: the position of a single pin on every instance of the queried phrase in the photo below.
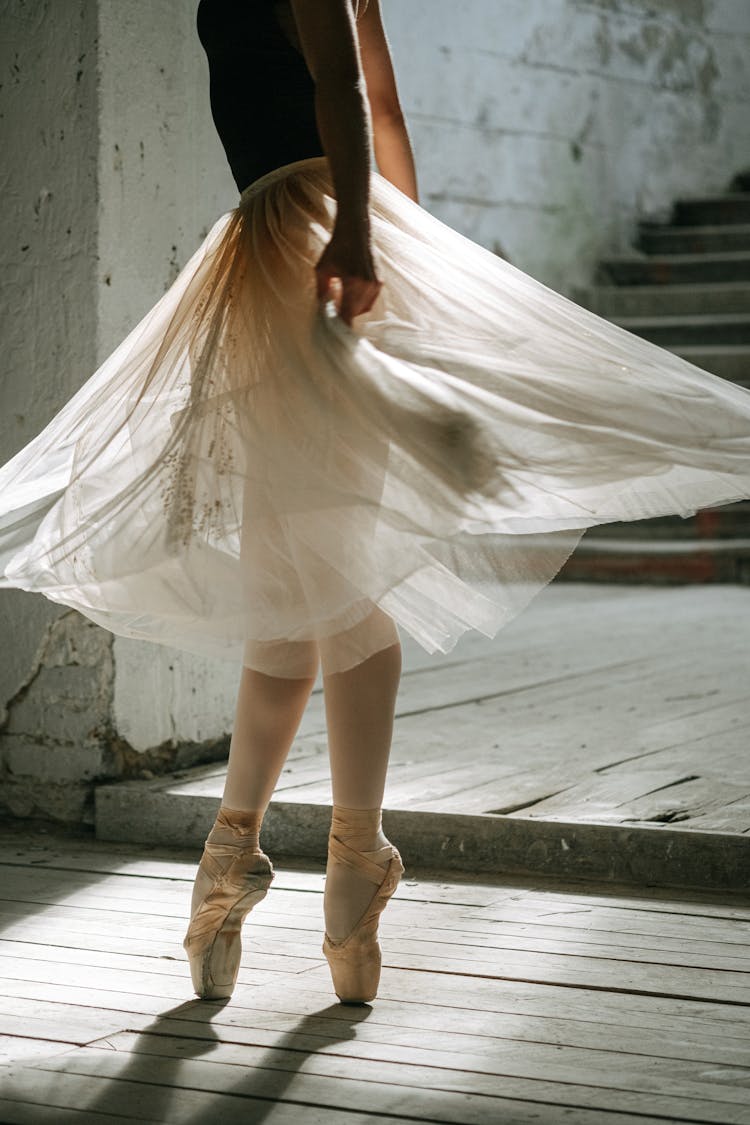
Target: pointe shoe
(356, 960)
(240, 877)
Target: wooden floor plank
(174, 865)
(77, 1094)
(24, 1048)
(148, 890)
(603, 1068)
(402, 1001)
(32, 1113)
(293, 948)
(80, 1024)
(393, 1089)
(599, 624)
(170, 963)
(633, 686)
(278, 934)
(570, 713)
(518, 1003)
(722, 938)
(241, 1107)
(33, 962)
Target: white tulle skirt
(246, 474)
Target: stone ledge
(145, 812)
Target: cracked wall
(56, 734)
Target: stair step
(666, 300)
(730, 521)
(658, 238)
(661, 561)
(727, 361)
(689, 291)
(664, 547)
(725, 328)
(733, 207)
(677, 269)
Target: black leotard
(262, 94)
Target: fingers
(357, 297)
(353, 295)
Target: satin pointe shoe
(355, 961)
(236, 875)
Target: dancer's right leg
(234, 873)
(269, 711)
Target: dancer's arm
(393, 151)
(328, 36)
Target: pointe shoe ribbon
(355, 961)
(212, 942)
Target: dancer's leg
(360, 706)
(269, 710)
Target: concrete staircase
(685, 287)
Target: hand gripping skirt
(245, 474)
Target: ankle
(361, 829)
(239, 822)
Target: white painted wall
(48, 139)
(48, 134)
(545, 127)
(162, 172)
(163, 694)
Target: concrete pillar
(113, 174)
(54, 688)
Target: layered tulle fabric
(247, 470)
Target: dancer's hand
(348, 260)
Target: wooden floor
(505, 1003)
(604, 704)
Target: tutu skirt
(245, 472)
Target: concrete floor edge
(144, 812)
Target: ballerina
(342, 419)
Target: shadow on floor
(187, 1034)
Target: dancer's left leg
(360, 707)
(363, 867)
